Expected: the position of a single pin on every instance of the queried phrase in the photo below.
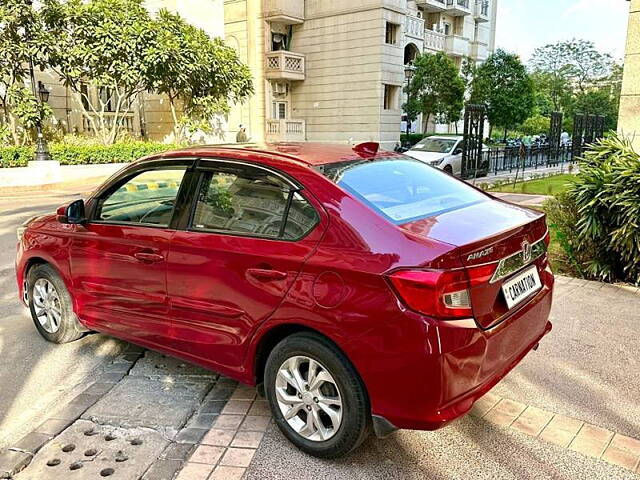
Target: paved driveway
(34, 375)
(587, 368)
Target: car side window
(147, 199)
(254, 202)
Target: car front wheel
(316, 396)
(51, 307)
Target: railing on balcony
(126, 121)
(458, 7)
(433, 5)
(459, 3)
(284, 65)
(434, 40)
(457, 45)
(414, 27)
(286, 131)
(482, 9)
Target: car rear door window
(402, 189)
(252, 202)
(148, 198)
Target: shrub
(598, 219)
(84, 153)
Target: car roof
(444, 137)
(309, 153)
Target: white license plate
(521, 286)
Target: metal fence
(503, 159)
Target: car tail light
(442, 294)
(547, 238)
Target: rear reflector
(441, 294)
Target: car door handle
(264, 274)
(148, 257)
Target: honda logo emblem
(526, 251)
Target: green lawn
(541, 186)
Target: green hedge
(413, 138)
(68, 154)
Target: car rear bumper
(468, 363)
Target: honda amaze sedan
(355, 287)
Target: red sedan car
(356, 287)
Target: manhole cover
(86, 450)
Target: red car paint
(205, 297)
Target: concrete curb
(19, 455)
(593, 285)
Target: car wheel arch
(269, 339)
(36, 260)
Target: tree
(199, 74)
(436, 89)
(22, 37)
(574, 61)
(102, 46)
(504, 86)
(535, 125)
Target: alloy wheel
(309, 398)
(46, 302)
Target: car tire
(338, 380)
(51, 306)
(448, 170)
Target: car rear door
(118, 258)
(251, 230)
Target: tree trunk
(425, 122)
(505, 135)
(177, 130)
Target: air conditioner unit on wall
(280, 88)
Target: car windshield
(402, 189)
(436, 145)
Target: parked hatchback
(355, 287)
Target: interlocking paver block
(532, 421)
(195, 471)
(237, 407)
(218, 437)
(567, 424)
(260, 407)
(190, 435)
(207, 454)
(12, 462)
(486, 403)
(247, 439)
(628, 444)
(559, 437)
(621, 458)
(591, 441)
(228, 421)
(237, 457)
(203, 420)
(223, 472)
(178, 451)
(255, 422)
(163, 470)
(505, 412)
(244, 392)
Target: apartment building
(629, 121)
(324, 70)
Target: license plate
(521, 286)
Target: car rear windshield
(400, 188)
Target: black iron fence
(512, 158)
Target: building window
(447, 28)
(279, 42)
(391, 33)
(279, 110)
(390, 97)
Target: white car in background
(443, 152)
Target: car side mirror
(73, 213)
(457, 151)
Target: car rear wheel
(448, 169)
(51, 307)
(317, 398)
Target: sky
(523, 25)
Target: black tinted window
(402, 189)
(148, 198)
(252, 202)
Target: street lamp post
(409, 71)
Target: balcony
(434, 41)
(481, 11)
(457, 46)
(288, 12)
(458, 8)
(432, 6)
(479, 51)
(283, 65)
(414, 27)
(286, 131)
